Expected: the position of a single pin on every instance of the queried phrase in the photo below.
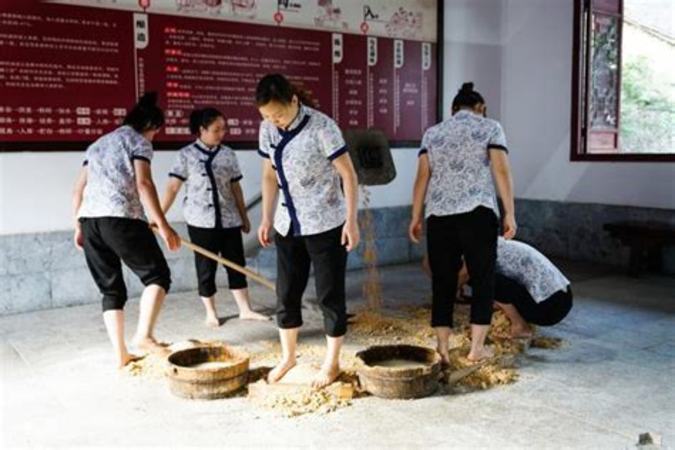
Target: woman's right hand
(78, 238)
(415, 230)
(264, 233)
(509, 226)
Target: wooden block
(343, 391)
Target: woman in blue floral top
(454, 190)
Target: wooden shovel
(226, 262)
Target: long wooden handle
(249, 273)
(226, 262)
(457, 375)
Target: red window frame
(587, 143)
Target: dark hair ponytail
(276, 88)
(466, 98)
(145, 115)
(203, 118)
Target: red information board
(70, 69)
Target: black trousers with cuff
(545, 313)
(226, 242)
(328, 256)
(109, 241)
(472, 235)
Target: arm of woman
(270, 190)
(501, 170)
(170, 193)
(148, 193)
(238, 194)
(78, 192)
(419, 193)
(350, 232)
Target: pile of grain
(294, 396)
(153, 365)
(302, 400)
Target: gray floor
(614, 380)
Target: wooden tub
(399, 371)
(207, 372)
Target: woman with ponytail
(454, 190)
(214, 209)
(114, 184)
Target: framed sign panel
(70, 69)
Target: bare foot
(445, 358)
(481, 355)
(252, 315)
(325, 377)
(521, 332)
(150, 345)
(127, 359)
(280, 370)
(212, 321)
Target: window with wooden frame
(623, 93)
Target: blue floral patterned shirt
(458, 151)
(208, 174)
(111, 179)
(311, 199)
(524, 264)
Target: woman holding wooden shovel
(214, 209)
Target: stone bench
(646, 240)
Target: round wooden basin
(207, 372)
(399, 371)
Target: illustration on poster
(215, 7)
(330, 16)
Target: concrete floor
(614, 380)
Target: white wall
(472, 50)
(35, 188)
(536, 84)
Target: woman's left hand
(350, 235)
